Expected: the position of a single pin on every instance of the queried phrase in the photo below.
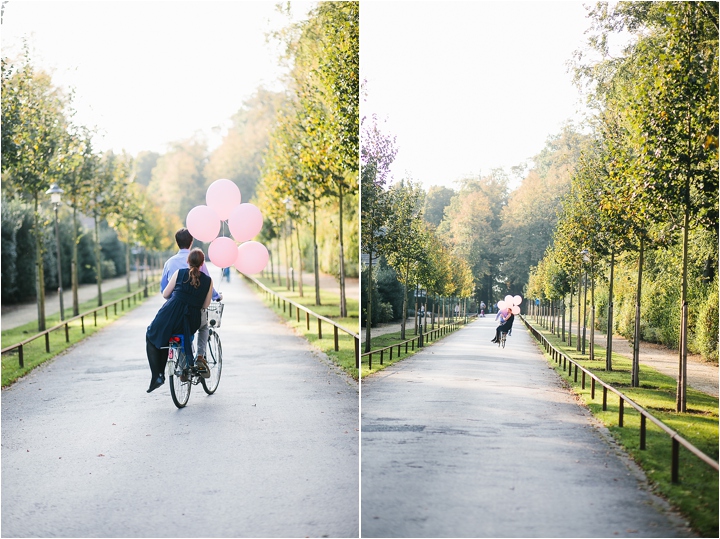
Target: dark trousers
(157, 358)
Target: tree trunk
(39, 270)
(287, 257)
(608, 349)
(368, 318)
(569, 339)
(277, 246)
(98, 261)
(592, 311)
(127, 265)
(74, 268)
(584, 324)
(636, 339)
(300, 262)
(343, 300)
(315, 254)
(403, 324)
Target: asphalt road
(468, 440)
(86, 452)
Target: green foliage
(436, 200)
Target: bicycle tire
(214, 361)
(179, 390)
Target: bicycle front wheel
(179, 389)
(214, 361)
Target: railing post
(115, 308)
(583, 379)
(67, 333)
(357, 352)
(47, 342)
(106, 312)
(319, 328)
(307, 320)
(21, 358)
(622, 409)
(381, 355)
(592, 388)
(335, 331)
(370, 361)
(604, 398)
(576, 369)
(95, 316)
(642, 431)
(675, 461)
(297, 315)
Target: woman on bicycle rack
(189, 291)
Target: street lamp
(55, 195)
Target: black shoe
(156, 383)
(493, 340)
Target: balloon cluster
(511, 303)
(244, 222)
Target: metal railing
(421, 338)
(289, 304)
(677, 440)
(81, 317)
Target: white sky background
(468, 86)
(148, 73)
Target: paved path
(465, 439)
(702, 375)
(86, 452)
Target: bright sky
(148, 73)
(469, 86)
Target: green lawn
(390, 339)
(329, 308)
(34, 354)
(696, 495)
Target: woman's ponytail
(195, 259)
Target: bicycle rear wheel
(179, 390)
(214, 361)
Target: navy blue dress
(181, 313)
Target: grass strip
(34, 354)
(329, 308)
(696, 495)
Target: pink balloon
(501, 305)
(203, 223)
(223, 252)
(517, 300)
(509, 300)
(515, 309)
(245, 222)
(223, 196)
(252, 257)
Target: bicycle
(182, 375)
